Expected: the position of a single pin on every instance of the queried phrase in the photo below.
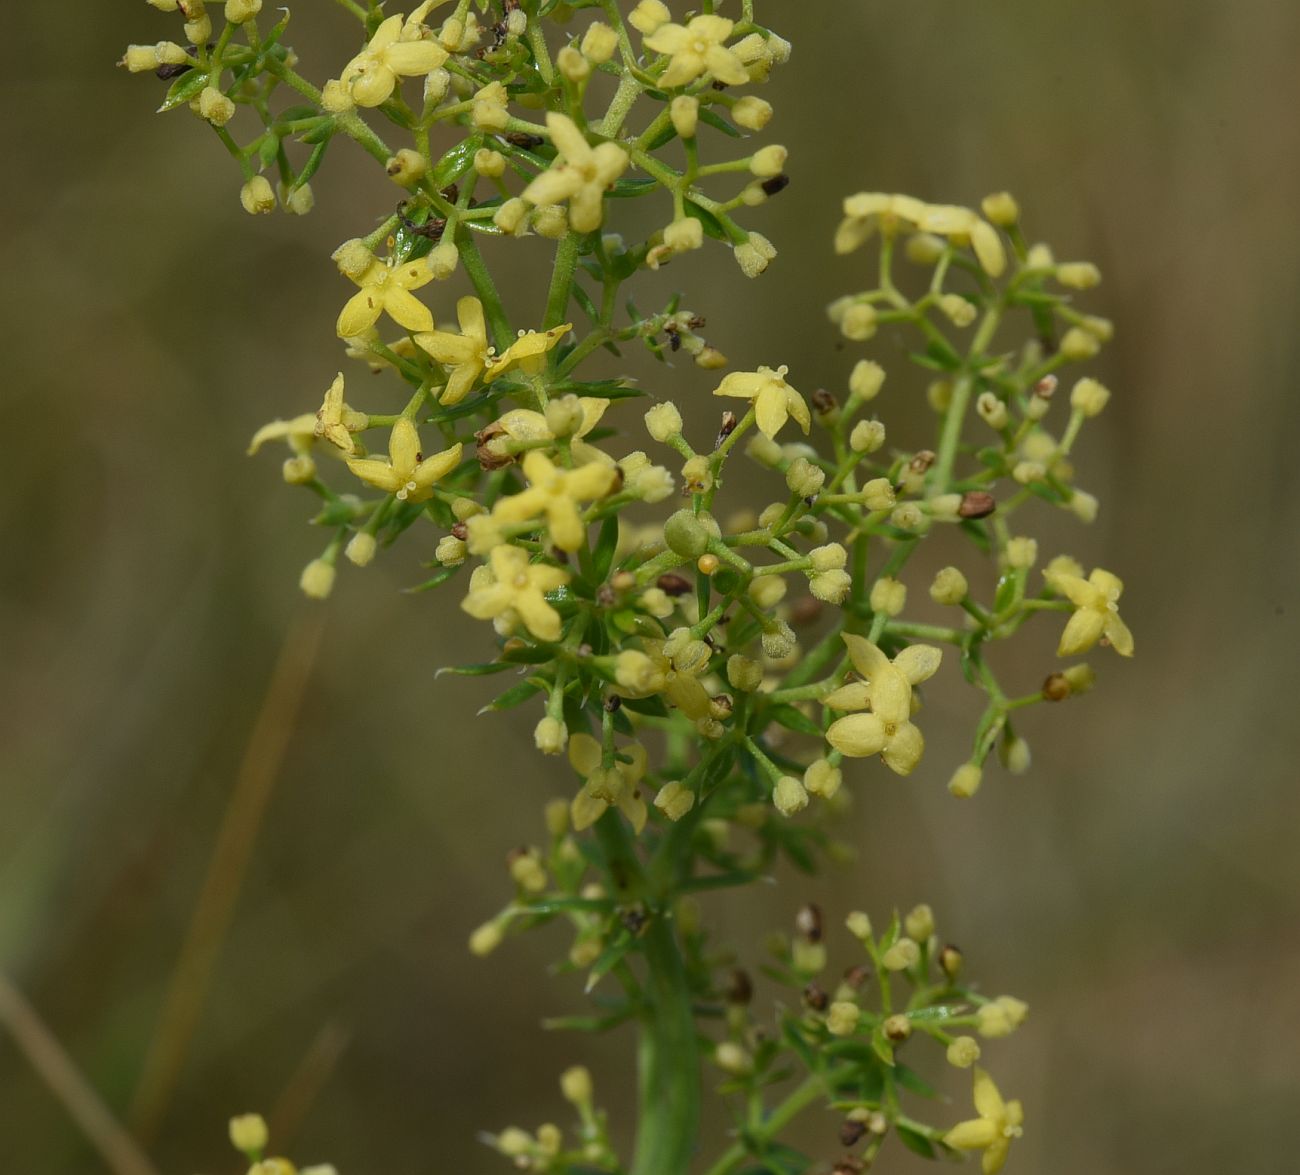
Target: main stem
(668, 1063)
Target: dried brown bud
(673, 585)
(848, 1165)
(898, 1028)
(823, 402)
(921, 460)
(777, 183)
(808, 923)
(1056, 688)
(814, 995)
(1044, 388)
(460, 531)
(851, 1132)
(976, 504)
(729, 422)
(856, 977)
(613, 703)
(523, 139)
(740, 988)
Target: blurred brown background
(1139, 887)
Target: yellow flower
(998, 1123)
(886, 692)
(581, 178)
(469, 354)
(396, 50)
(386, 286)
(554, 494)
(604, 786)
(775, 401)
(697, 48)
(406, 473)
(670, 667)
(509, 587)
(335, 421)
(297, 433)
(1096, 602)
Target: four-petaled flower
(386, 286)
(885, 693)
(581, 174)
(998, 1123)
(526, 426)
(406, 473)
(469, 355)
(603, 786)
(397, 50)
(336, 421)
(508, 587)
(697, 48)
(775, 401)
(554, 494)
(1096, 602)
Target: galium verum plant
(705, 709)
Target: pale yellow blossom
(697, 48)
(1096, 602)
(386, 288)
(554, 494)
(670, 667)
(406, 473)
(998, 1123)
(508, 586)
(775, 401)
(603, 786)
(580, 175)
(885, 694)
(397, 50)
(336, 421)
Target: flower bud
(858, 322)
(486, 939)
(888, 596)
(451, 551)
(769, 161)
(599, 43)
(902, 955)
(1089, 397)
(767, 590)
(405, 168)
(897, 1028)
(859, 925)
(1021, 553)
(257, 196)
(674, 800)
(752, 114)
(1016, 755)
(238, 11)
(684, 235)
(550, 736)
(949, 586)
(965, 781)
(878, 494)
(489, 163)
(217, 109)
(1078, 344)
(686, 535)
(804, 478)
(1078, 275)
(958, 310)
(442, 260)
(731, 1058)
(754, 255)
(992, 410)
(866, 380)
(1001, 208)
(789, 795)
(248, 1134)
(575, 1085)
(353, 259)
(511, 216)
(867, 436)
(361, 548)
(821, 779)
(744, 674)
(299, 469)
(919, 923)
(963, 1052)
(572, 64)
(925, 248)
(317, 579)
(842, 1019)
(550, 221)
(140, 59)
(648, 16)
(684, 110)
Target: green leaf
(795, 720)
(440, 578)
(718, 123)
(910, 1079)
(184, 88)
(609, 957)
(515, 695)
(602, 555)
(483, 669)
(457, 161)
(712, 225)
(1006, 592)
(626, 189)
(915, 1141)
(883, 1049)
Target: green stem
(566, 262)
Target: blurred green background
(1139, 887)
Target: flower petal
(433, 469)
(988, 1101)
(584, 754)
(1117, 632)
(538, 616)
(1082, 632)
(376, 473)
(854, 696)
(918, 663)
(771, 409)
(568, 139)
(360, 312)
(415, 58)
(974, 1135)
(905, 749)
(867, 658)
(406, 309)
(857, 736)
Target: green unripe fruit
(688, 534)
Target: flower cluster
(705, 674)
